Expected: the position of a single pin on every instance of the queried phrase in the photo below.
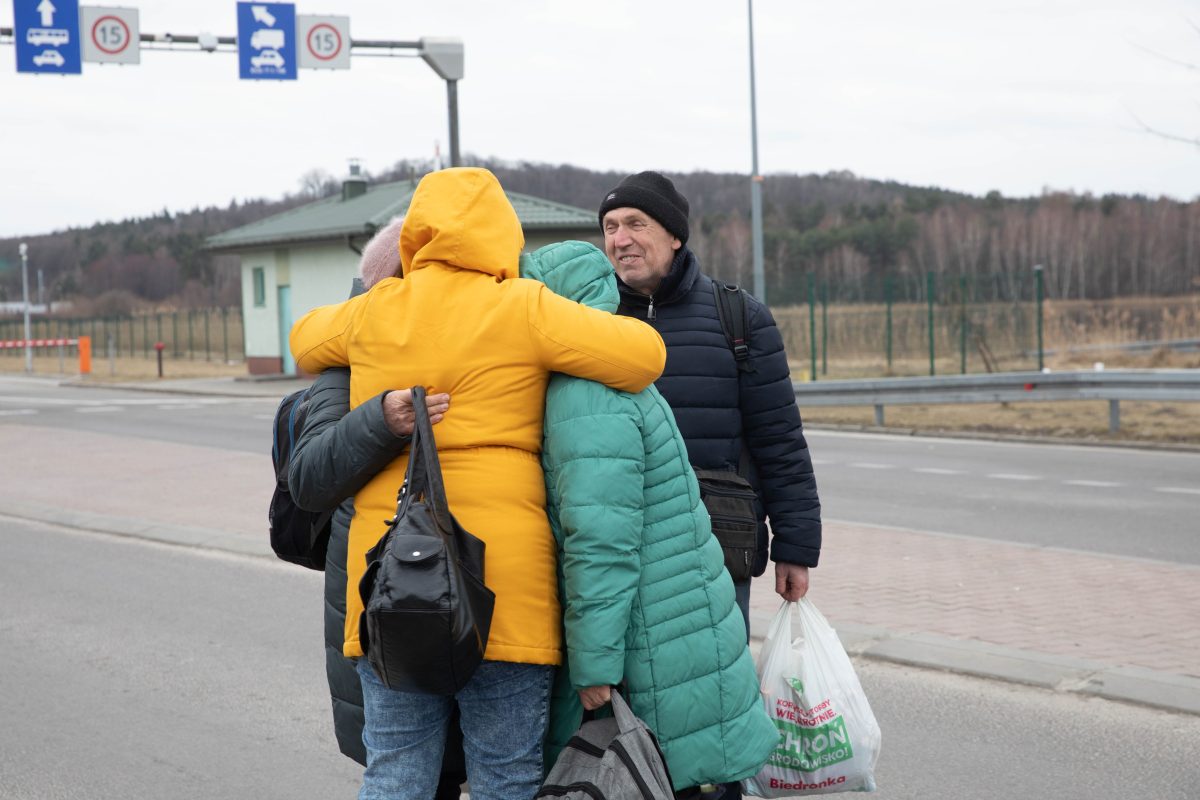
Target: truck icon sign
(262, 38)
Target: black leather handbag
(427, 611)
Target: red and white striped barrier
(84, 343)
(39, 343)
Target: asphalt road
(1120, 501)
(229, 423)
(152, 672)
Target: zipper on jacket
(650, 309)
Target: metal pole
(929, 290)
(812, 322)
(824, 328)
(962, 323)
(1040, 288)
(760, 288)
(887, 295)
(452, 101)
(24, 250)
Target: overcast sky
(970, 95)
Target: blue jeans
(504, 712)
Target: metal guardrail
(1154, 385)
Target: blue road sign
(46, 33)
(267, 41)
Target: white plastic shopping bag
(828, 737)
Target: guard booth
(308, 256)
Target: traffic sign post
(110, 35)
(324, 42)
(266, 41)
(46, 34)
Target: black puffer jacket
(329, 464)
(720, 409)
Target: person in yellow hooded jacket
(462, 322)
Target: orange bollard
(85, 355)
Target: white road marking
(939, 471)
(1095, 484)
(818, 462)
(180, 406)
(18, 412)
(272, 416)
(1176, 490)
(871, 465)
(97, 409)
(1013, 476)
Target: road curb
(1178, 693)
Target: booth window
(260, 287)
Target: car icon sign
(268, 58)
(49, 57)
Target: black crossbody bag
(427, 611)
(730, 500)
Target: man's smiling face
(640, 249)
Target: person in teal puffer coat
(647, 602)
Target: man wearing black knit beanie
(733, 400)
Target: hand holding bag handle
(427, 611)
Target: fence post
(207, 339)
(812, 322)
(225, 330)
(146, 334)
(175, 333)
(929, 290)
(1039, 288)
(887, 299)
(825, 328)
(962, 322)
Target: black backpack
(731, 310)
(298, 536)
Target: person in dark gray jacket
(338, 451)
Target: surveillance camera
(208, 42)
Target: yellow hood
(461, 218)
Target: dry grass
(852, 339)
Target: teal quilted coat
(646, 598)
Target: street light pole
(445, 57)
(24, 250)
(760, 289)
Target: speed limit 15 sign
(110, 35)
(323, 42)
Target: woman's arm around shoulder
(620, 352)
(319, 339)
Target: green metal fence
(213, 334)
(903, 326)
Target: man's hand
(791, 581)
(398, 410)
(593, 697)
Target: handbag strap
(424, 473)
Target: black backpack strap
(731, 309)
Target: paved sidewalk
(1056, 618)
(1121, 628)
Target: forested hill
(847, 232)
